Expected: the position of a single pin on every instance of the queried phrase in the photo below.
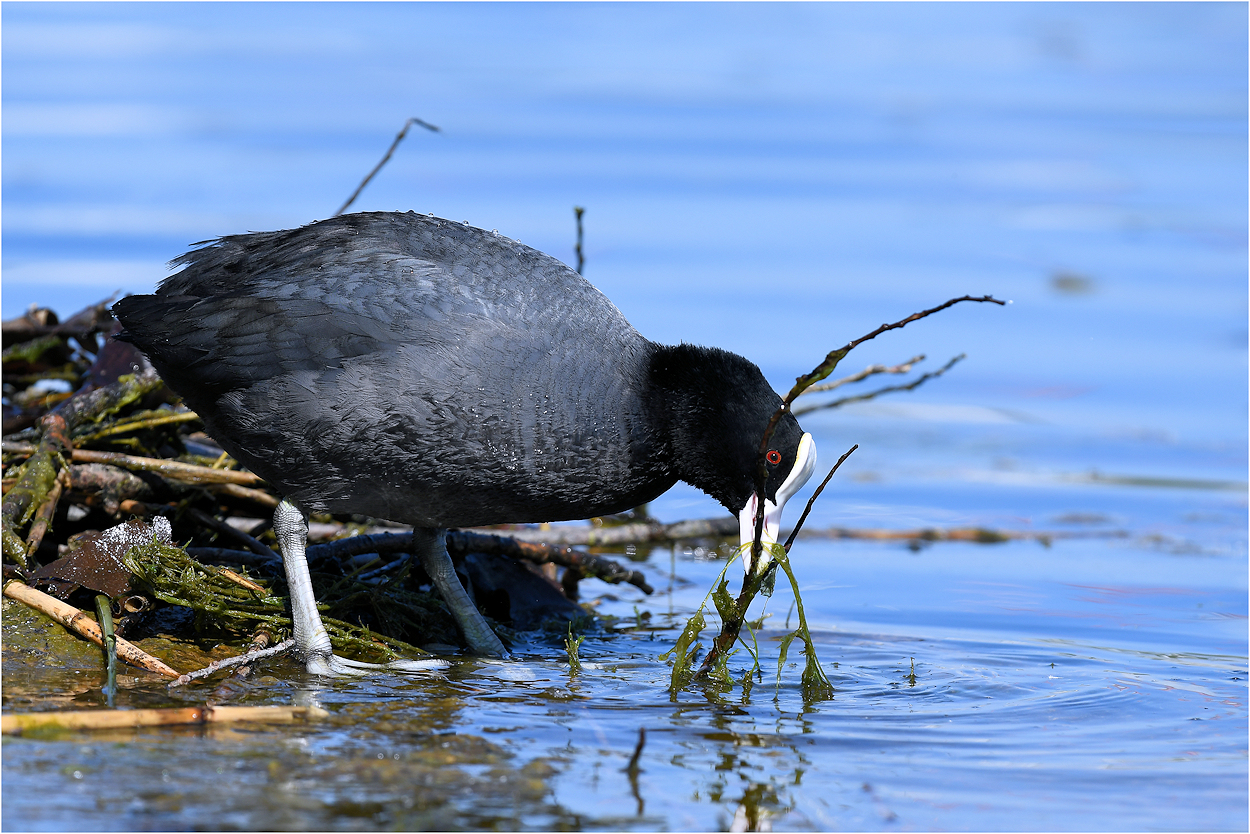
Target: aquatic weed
(571, 644)
(220, 604)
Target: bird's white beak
(804, 464)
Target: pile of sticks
(93, 438)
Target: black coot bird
(419, 370)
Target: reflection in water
(753, 811)
(525, 745)
(633, 770)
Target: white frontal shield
(804, 464)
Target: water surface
(775, 180)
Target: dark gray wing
(452, 368)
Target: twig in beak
(812, 500)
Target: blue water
(776, 180)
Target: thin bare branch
(871, 370)
(731, 627)
(228, 688)
(230, 532)
(581, 256)
(979, 535)
(399, 138)
(916, 383)
(815, 495)
(835, 356)
(231, 662)
(806, 381)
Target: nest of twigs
(93, 440)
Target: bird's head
(720, 406)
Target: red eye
(773, 456)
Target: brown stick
(981, 535)
(588, 564)
(43, 517)
(806, 381)
(78, 622)
(632, 533)
(187, 473)
(256, 496)
(231, 662)
(889, 389)
(260, 641)
(460, 542)
(799, 524)
(122, 719)
(753, 581)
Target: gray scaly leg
(431, 548)
(311, 640)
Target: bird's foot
(333, 666)
(482, 641)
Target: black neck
(716, 405)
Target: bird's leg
(431, 547)
(312, 642)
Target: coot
(424, 371)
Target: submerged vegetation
(814, 684)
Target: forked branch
(806, 381)
(731, 625)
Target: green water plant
(104, 615)
(225, 601)
(760, 573)
(813, 683)
(571, 644)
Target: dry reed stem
(256, 496)
(122, 719)
(242, 581)
(78, 622)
